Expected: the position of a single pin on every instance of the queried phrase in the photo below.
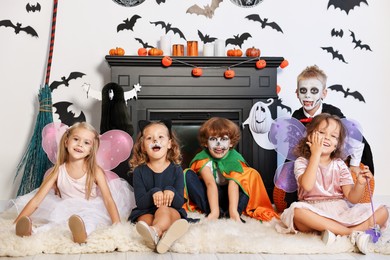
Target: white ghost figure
(259, 121)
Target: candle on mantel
(177, 50)
(165, 44)
(192, 48)
(219, 49)
(208, 49)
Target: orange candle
(192, 48)
(178, 50)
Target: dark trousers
(197, 193)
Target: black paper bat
(18, 27)
(358, 43)
(67, 117)
(65, 81)
(264, 22)
(345, 5)
(335, 33)
(238, 39)
(128, 24)
(282, 106)
(160, 1)
(355, 94)
(205, 38)
(144, 44)
(169, 28)
(335, 54)
(33, 8)
(207, 10)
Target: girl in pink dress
(328, 197)
(75, 192)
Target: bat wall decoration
(264, 22)
(168, 28)
(346, 5)
(335, 53)
(358, 43)
(282, 106)
(33, 8)
(18, 27)
(144, 44)
(67, 116)
(355, 94)
(207, 10)
(128, 24)
(160, 1)
(335, 33)
(238, 40)
(65, 81)
(205, 38)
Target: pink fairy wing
(51, 136)
(284, 134)
(115, 147)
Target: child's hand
(158, 198)
(315, 142)
(364, 175)
(168, 197)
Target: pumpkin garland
(228, 73)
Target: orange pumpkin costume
(234, 167)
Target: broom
(35, 162)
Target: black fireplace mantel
(172, 92)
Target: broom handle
(53, 31)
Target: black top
(146, 183)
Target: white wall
(86, 30)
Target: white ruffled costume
(55, 210)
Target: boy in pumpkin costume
(219, 182)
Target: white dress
(55, 210)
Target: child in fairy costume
(219, 182)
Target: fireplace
(189, 101)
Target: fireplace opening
(186, 124)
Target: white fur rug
(222, 236)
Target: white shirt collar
(319, 111)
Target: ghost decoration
(259, 122)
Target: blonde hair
(218, 126)
(140, 156)
(313, 72)
(91, 162)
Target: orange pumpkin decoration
(284, 64)
(278, 89)
(261, 64)
(142, 52)
(234, 53)
(229, 74)
(117, 52)
(155, 52)
(166, 61)
(252, 52)
(197, 72)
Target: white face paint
(310, 93)
(218, 146)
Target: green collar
(231, 162)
